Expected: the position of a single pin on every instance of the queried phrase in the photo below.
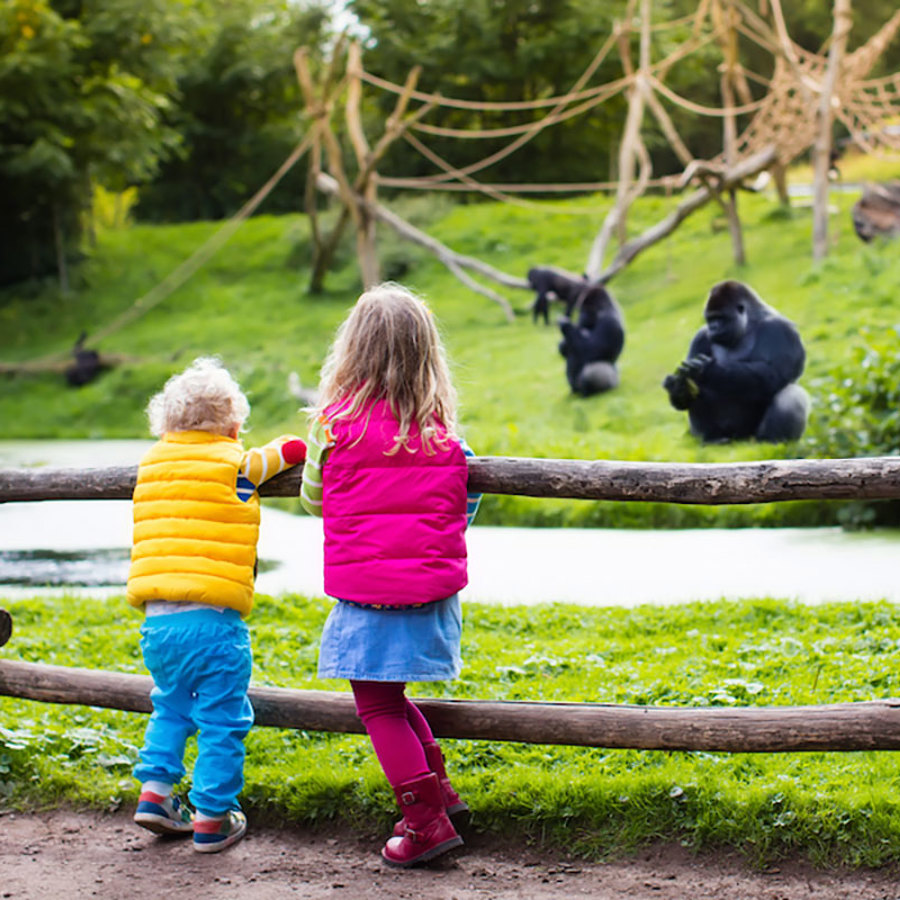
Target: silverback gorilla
(592, 347)
(738, 380)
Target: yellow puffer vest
(194, 539)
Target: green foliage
(859, 415)
(238, 111)
(860, 400)
(82, 91)
(112, 209)
(832, 807)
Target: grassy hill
(249, 306)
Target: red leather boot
(428, 832)
(457, 809)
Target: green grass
(249, 305)
(832, 807)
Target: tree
(82, 90)
(238, 113)
(489, 51)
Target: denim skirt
(399, 644)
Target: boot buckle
(407, 798)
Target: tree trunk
(779, 174)
(728, 16)
(60, 245)
(843, 22)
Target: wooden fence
(846, 726)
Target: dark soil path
(90, 855)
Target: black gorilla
(592, 347)
(739, 378)
(87, 365)
(5, 626)
(554, 284)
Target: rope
(504, 106)
(485, 189)
(680, 53)
(613, 88)
(203, 253)
(684, 103)
(531, 188)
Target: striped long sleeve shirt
(259, 464)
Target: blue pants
(200, 662)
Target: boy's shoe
(213, 835)
(162, 815)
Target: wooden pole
(454, 261)
(872, 725)
(843, 22)
(727, 17)
(365, 184)
(616, 218)
(696, 483)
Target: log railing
(873, 725)
(698, 483)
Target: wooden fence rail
(872, 725)
(876, 478)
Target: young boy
(196, 524)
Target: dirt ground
(86, 854)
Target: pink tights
(396, 728)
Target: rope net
(783, 116)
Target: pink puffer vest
(394, 525)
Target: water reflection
(51, 568)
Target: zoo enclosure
(873, 725)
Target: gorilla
(739, 378)
(87, 364)
(592, 347)
(553, 284)
(5, 626)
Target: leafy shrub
(858, 414)
(858, 403)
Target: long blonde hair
(388, 348)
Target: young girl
(387, 472)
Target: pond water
(83, 546)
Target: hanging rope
(585, 187)
(202, 254)
(506, 106)
(607, 92)
(486, 189)
(717, 112)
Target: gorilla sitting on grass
(592, 346)
(739, 378)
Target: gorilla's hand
(682, 389)
(693, 367)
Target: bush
(858, 414)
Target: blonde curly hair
(388, 348)
(204, 397)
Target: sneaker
(162, 815)
(213, 835)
